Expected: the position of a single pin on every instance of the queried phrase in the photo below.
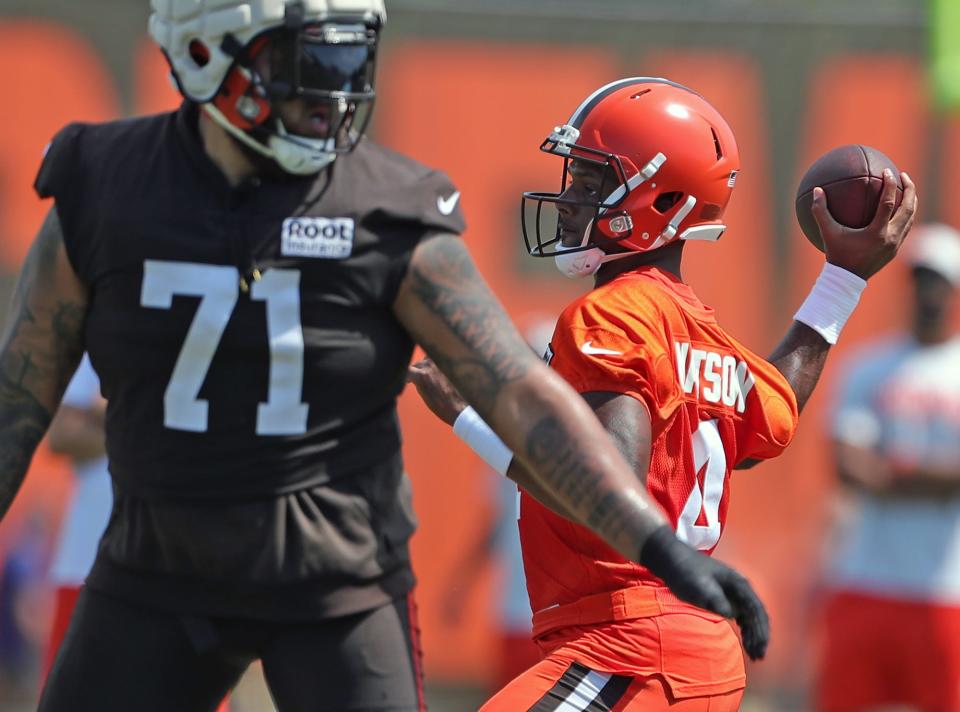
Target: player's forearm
(23, 421)
(563, 456)
(800, 357)
(556, 436)
(525, 479)
(40, 349)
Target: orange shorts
(555, 684)
(517, 653)
(682, 658)
(880, 651)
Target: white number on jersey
(283, 412)
(218, 289)
(708, 455)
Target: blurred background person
(77, 432)
(24, 604)
(891, 625)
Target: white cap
(936, 247)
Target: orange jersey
(712, 404)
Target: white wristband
(472, 429)
(831, 301)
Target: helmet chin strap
(584, 263)
(294, 154)
(301, 155)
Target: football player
(647, 165)
(249, 275)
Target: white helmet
(322, 51)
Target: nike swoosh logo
(446, 205)
(591, 350)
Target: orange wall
(472, 110)
(42, 90)
(51, 97)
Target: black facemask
(328, 64)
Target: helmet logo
(621, 224)
(248, 108)
(732, 179)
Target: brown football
(852, 178)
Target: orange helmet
(659, 140)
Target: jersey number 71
(218, 287)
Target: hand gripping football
(852, 178)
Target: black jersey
(246, 346)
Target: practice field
(473, 88)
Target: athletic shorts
(118, 657)
(554, 684)
(689, 660)
(882, 651)
(517, 652)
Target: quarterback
(249, 275)
(648, 165)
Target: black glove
(709, 584)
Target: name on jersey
(324, 238)
(713, 377)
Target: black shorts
(120, 657)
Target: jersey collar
(683, 293)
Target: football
(852, 178)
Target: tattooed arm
(446, 306)
(625, 419)
(41, 347)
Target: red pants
(883, 651)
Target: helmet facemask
(300, 94)
(610, 222)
